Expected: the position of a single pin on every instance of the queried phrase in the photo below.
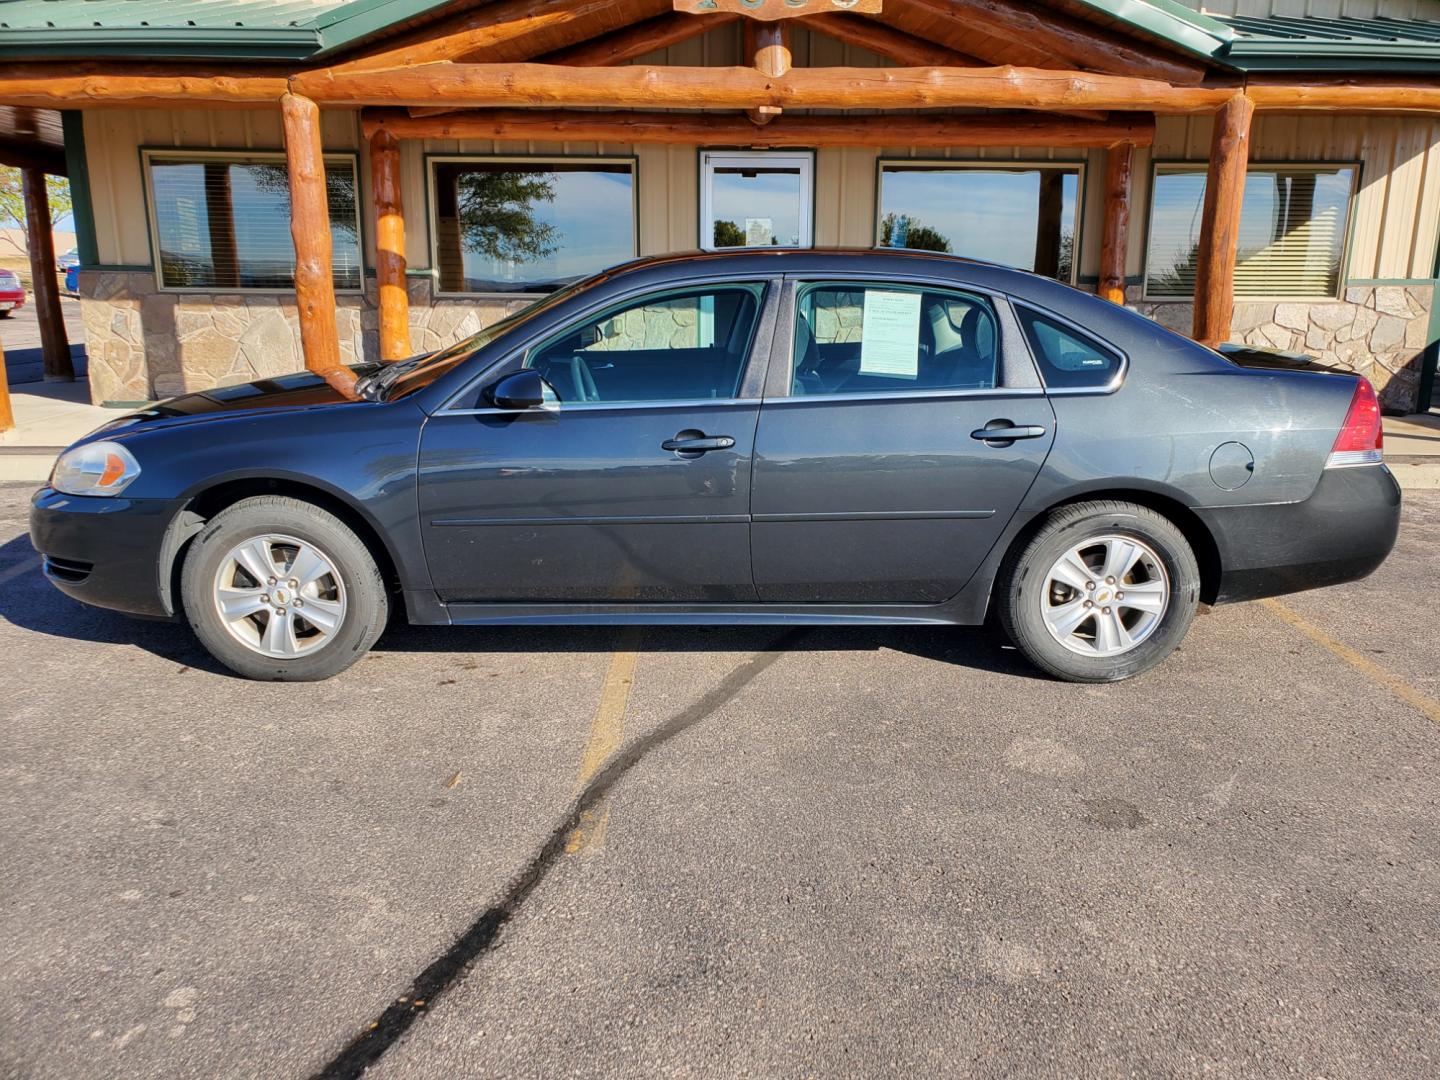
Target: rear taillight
(1361, 436)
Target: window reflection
(530, 226)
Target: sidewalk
(1412, 449)
(48, 418)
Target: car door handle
(1002, 431)
(697, 442)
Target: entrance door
(756, 199)
(873, 482)
(633, 485)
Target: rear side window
(858, 338)
(1067, 359)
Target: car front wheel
(1105, 590)
(280, 589)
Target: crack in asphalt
(386, 1029)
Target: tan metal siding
(1321, 9)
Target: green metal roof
(194, 29)
(1170, 21)
(1343, 44)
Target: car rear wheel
(280, 589)
(1105, 590)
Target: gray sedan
(796, 437)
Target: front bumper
(1342, 532)
(104, 551)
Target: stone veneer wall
(1377, 331)
(145, 344)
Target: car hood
(301, 390)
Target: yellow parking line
(606, 730)
(1363, 664)
(16, 571)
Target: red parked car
(12, 293)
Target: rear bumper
(103, 551)
(1343, 532)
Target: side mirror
(520, 390)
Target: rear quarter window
(1068, 359)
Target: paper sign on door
(890, 339)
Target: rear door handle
(1003, 431)
(697, 442)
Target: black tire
(366, 603)
(6, 313)
(1020, 591)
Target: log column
(768, 46)
(1220, 222)
(1115, 237)
(310, 229)
(389, 246)
(54, 344)
(7, 418)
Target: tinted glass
(1017, 217)
(668, 347)
(1293, 224)
(226, 224)
(522, 226)
(864, 339)
(1067, 359)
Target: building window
(756, 199)
(1024, 216)
(1294, 220)
(529, 225)
(222, 221)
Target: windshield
(407, 376)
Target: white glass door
(752, 199)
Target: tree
(497, 214)
(728, 234)
(901, 230)
(12, 199)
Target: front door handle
(1005, 432)
(695, 443)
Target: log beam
(501, 85)
(1115, 236)
(633, 42)
(907, 129)
(886, 41)
(1220, 221)
(509, 30)
(54, 342)
(768, 46)
(394, 300)
(314, 254)
(56, 86)
(1071, 41)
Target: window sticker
(759, 231)
(890, 337)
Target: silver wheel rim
(280, 596)
(1105, 596)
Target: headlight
(97, 468)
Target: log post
(1220, 221)
(7, 417)
(54, 343)
(1115, 237)
(394, 301)
(768, 46)
(220, 222)
(310, 229)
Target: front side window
(224, 222)
(1293, 225)
(1068, 360)
(675, 346)
(857, 339)
(530, 225)
(1021, 216)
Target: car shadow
(29, 602)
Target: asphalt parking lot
(819, 853)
